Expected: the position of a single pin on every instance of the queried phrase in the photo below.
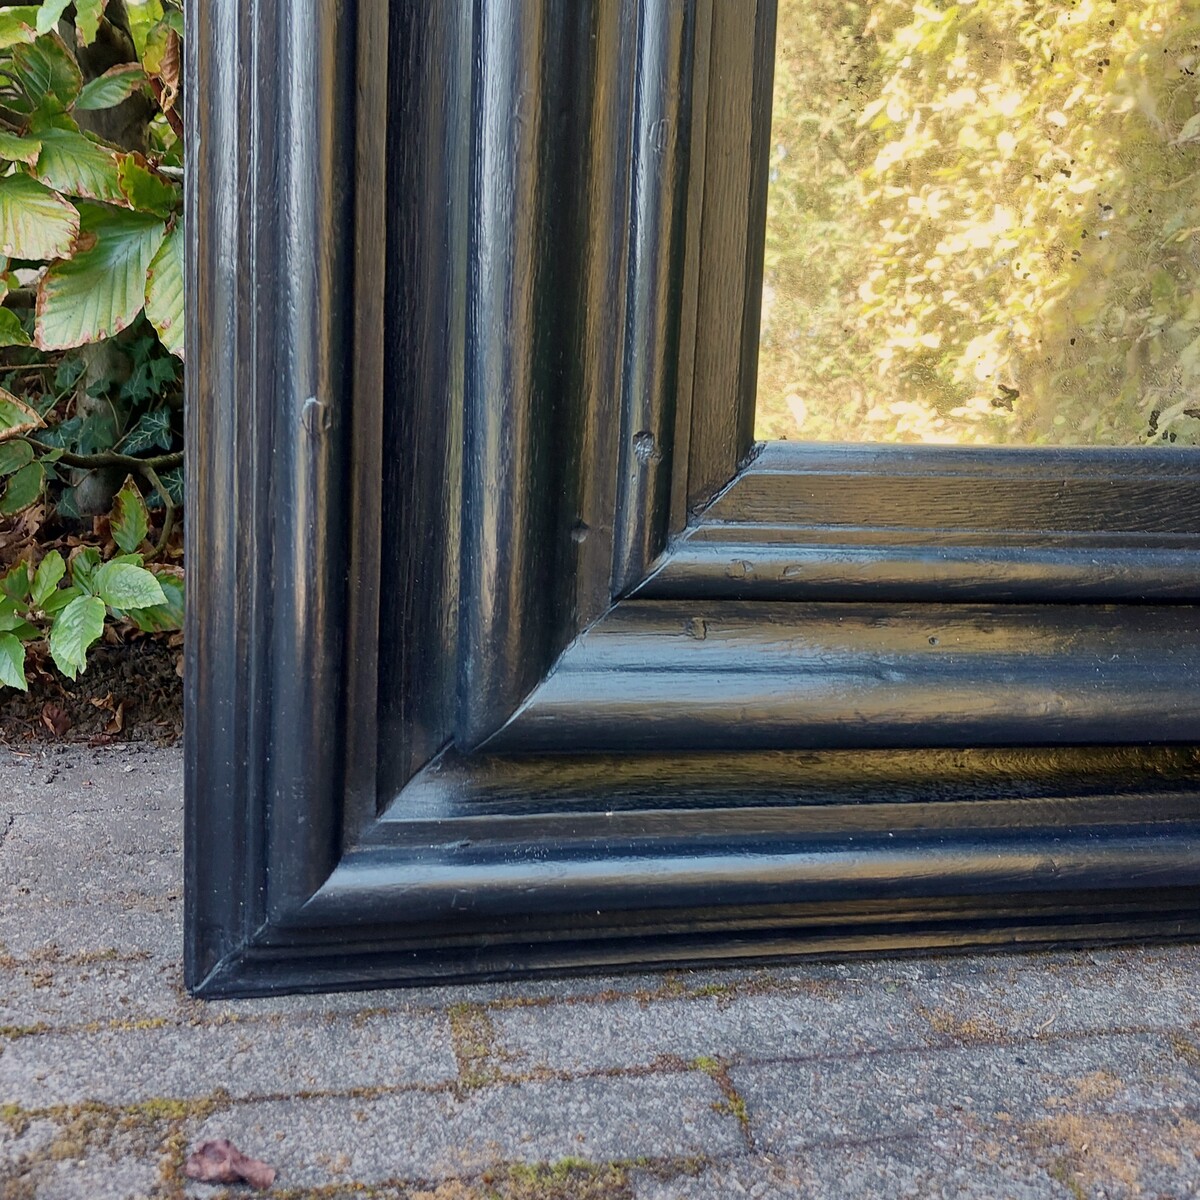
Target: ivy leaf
(172, 481)
(47, 577)
(13, 456)
(34, 221)
(23, 489)
(124, 586)
(102, 289)
(162, 618)
(130, 521)
(71, 162)
(87, 19)
(12, 332)
(16, 417)
(18, 24)
(12, 662)
(44, 71)
(70, 368)
(75, 630)
(50, 14)
(19, 149)
(164, 292)
(152, 432)
(112, 88)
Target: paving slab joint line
(717, 1069)
(477, 1052)
(967, 1031)
(92, 1125)
(1184, 1048)
(510, 1180)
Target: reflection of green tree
(984, 222)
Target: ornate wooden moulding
(508, 650)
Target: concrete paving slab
(124, 1065)
(1060, 1074)
(827, 1018)
(799, 1105)
(432, 1136)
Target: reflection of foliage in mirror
(984, 223)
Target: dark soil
(129, 693)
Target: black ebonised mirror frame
(508, 651)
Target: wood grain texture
(408, 464)
(695, 675)
(408, 520)
(916, 523)
(658, 214)
(818, 858)
(268, 415)
(477, 788)
(729, 288)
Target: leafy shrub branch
(91, 314)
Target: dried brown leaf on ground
(55, 718)
(220, 1161)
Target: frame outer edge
(225, 618)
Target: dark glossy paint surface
(729, 288)
(789, 676)
(412, 271)
(448, 263)
(926, 523)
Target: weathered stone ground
(1043, 1075)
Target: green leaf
(83, 568)
(74, 631)
(129, 521)
(152, 432)
(146, 191)
(16, 417)
(102, 289)
(13, 456)
(70, 367)
(12, 332)
(12, 662)
(47, 74)
(150, 375)
(34, 221)
(59, 599)
(122, 585)
(87, 19)
(50, 14)
(112, 88)
(46, 578)
(23, 489)
(19, 149)
(172, 481)
(18, 24)
(162, 618)
(72, 163)
(11, 621)
(15, 585)
(164, 292)
(160, 45)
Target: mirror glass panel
(984, 223)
